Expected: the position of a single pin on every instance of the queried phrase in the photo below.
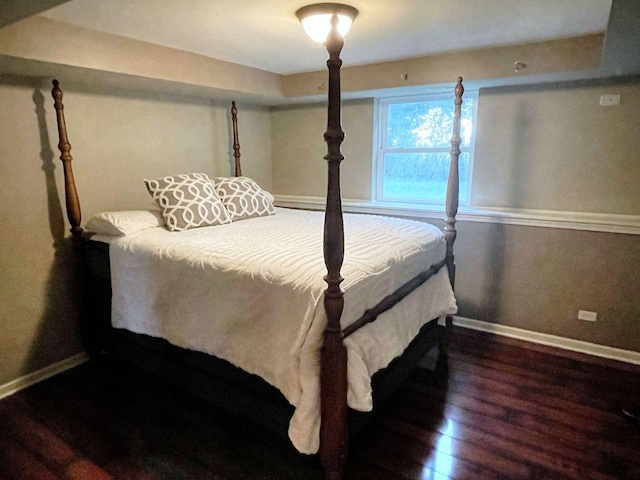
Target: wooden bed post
(333, 377)
(453, 189)
(71, 195)
(236, 142)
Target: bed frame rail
(392, 299)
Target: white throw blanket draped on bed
(251, 293)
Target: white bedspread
(251, 293)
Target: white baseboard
(603, 351)
(42, 374)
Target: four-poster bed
(230, 386)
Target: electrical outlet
(609, 100)
(586, 315)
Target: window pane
(421, 176)
(426, 124)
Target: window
(412, 162)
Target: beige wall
(554, 148)
(299, 149)
(118, 138)
(555, 56)
(126, 137)
(37, 318)
(538, 278)
(546, 147)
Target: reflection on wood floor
(502, 409)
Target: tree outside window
(413, 158)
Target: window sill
(595, 222)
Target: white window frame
(380, 131)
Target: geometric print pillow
(188, 201)
(243, 198)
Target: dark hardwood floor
(501, 409)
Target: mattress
(251, 293)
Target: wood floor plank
(600, 396)
(540, 458)
(497, 411)
(425, 446)
(570, 437)
(85, 470)
(427, 456)
(465, 425)
(569, 413)
(18, 463)
(468, 376)
(550, 364)
(35, 437)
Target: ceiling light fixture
(316, 19)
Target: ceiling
(265, 34)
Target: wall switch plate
(586, 315)
(609, 100)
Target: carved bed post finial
(236, 142)
(333, 378)
(453, 193)
(71, 195)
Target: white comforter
(251, 293)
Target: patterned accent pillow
(243, 198)
(188, 201)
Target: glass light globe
(319, 26)
(316, 19)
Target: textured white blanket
(250, 292)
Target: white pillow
(125, 222)
(243, 198)
(269, 196)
